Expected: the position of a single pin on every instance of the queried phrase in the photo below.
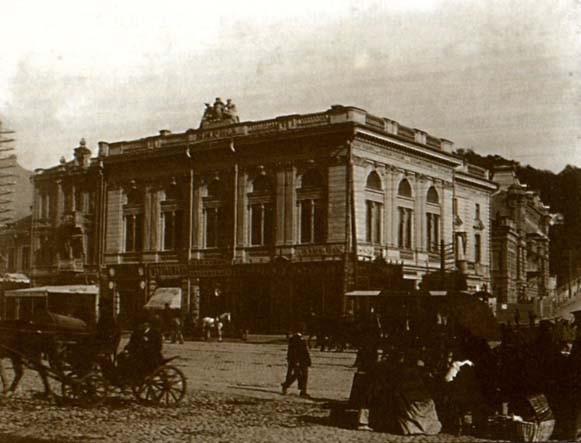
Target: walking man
(299, 360)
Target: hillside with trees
(562, 192)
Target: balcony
(71, 265)
(73, 218)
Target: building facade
(520, 243)
(65, 221)
(15, 247)
(274, 219)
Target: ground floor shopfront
(266, 297)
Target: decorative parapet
(230, 128)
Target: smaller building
(520, 245)
(64, 221)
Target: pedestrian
(299, 361)
(177, 329)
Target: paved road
(233, 396)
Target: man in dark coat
(299, 360)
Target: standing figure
(299, 361)
(177, 334)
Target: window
(133, 220)
(215, 227)
(374, 216)
(79, 200)
(374, 181)
(261, 211)
(405, 190)
(433, 220)
(311, 208)
(477, 248)
(261, 224)
(44, 210)
(212, 219)
(312, 221)
(133, 232)
(455, 206)
(477, 211)
(405, 227)
(432, 196)
(172, 229)
(171, 218)
(433, 232)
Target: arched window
(261, 211)
(433, 221)
(432, 196)
(312, 215)
(404, 190)
(374, 181)
(406, 215)
(374, 208)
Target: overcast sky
(497, 76)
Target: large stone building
(274, 219)
(520, 243)
(65, 221)
(268, 219)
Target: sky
(497, 76)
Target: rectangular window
(477, 248)
(319, 221)
(312, 221)
(133, 232)
(405, 228)
(477, 211)
(212, 227)
(79, 200)
(433, 232)
(45, 206)
(306, 208)
(374, 213)
(455, 206)
(261, 224)
(172, 226)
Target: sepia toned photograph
(281, 222)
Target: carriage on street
(84, 359)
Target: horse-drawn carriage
(85, 362)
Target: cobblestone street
(233, 396)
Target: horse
(23, 347)
(216, 324)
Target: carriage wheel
(93, 389)
(89, 390)
(165, 387)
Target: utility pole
(7, 162)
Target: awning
(367, 293)
(15, 278)
(163, 296)
(44, 290)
